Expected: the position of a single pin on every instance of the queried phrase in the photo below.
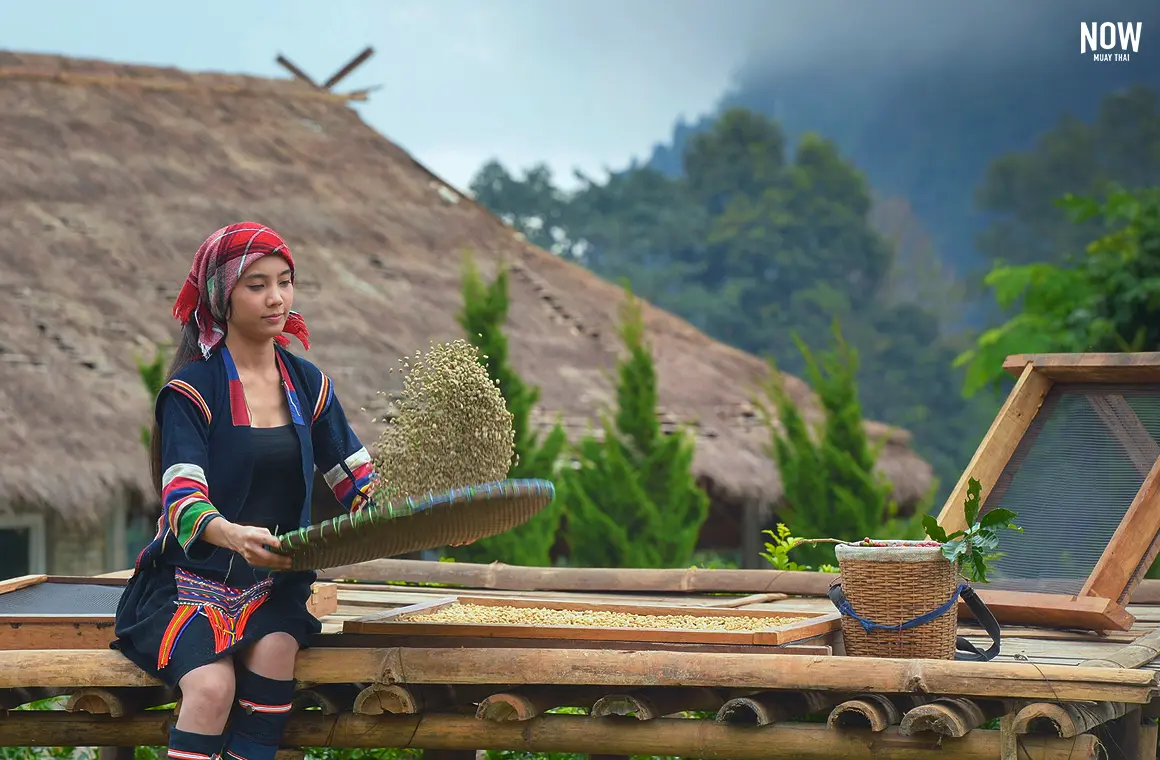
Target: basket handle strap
(985, 618)
(966, 650)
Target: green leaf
(933, 529)
(971, 504)
(987, 541)
(952, 550)
(997, 517)
(980, 567)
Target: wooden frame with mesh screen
(78, 612)
(1075, 452)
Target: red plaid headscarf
(217, 265)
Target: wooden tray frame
(1102, 602)
(392, 623)
(95, 631)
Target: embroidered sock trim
(182, 754)
(189, 745)
(259, 707)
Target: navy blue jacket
(207, 459)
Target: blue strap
(868, 625)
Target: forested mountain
(928, 135)
(876, 201)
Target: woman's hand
(249, 541)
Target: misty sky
(577, 83)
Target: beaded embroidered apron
(226, 608)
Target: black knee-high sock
(186, 745)
(259, 716)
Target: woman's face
(262, 299)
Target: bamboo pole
(1148, 742)
(948, 716)
(395, 699)
(1147, 592)
(631, 669)
(876, 712)
(1008, 739)
(1067, 720)
(745, 601)
(1080, 717)
(558, 733)
(1140, 652)
(332, 699)
(764, 708)
(526, 702)
(652, 704)
(118, 702)
(625, 669)
(500, 576)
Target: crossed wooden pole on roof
(337, 77)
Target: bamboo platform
(1051, 693)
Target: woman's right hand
(251, 541)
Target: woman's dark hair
(187, 351)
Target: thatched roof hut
(111, 176)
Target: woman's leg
(207, 694)
(265, 689)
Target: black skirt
(171, 621)
(176, 615)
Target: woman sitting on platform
(239, 428)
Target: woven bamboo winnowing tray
(458, 516)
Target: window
(21, 545)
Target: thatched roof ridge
(108, 187)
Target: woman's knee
(210, 687)
(273, 655)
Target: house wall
(76, 550)
(86, 548)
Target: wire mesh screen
(1071, 480)
(61, 599)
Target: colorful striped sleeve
(184, 419)
(345, 463)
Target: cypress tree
(484, 312)
(831, 487)
(633, 501)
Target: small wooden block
(323, 599)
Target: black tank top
(276, 487)
(276, 494)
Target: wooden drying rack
(72, 631)
(1101, 604)
(804, 625)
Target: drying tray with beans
(468, 617)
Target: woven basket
(891, 585)
(458, 516)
